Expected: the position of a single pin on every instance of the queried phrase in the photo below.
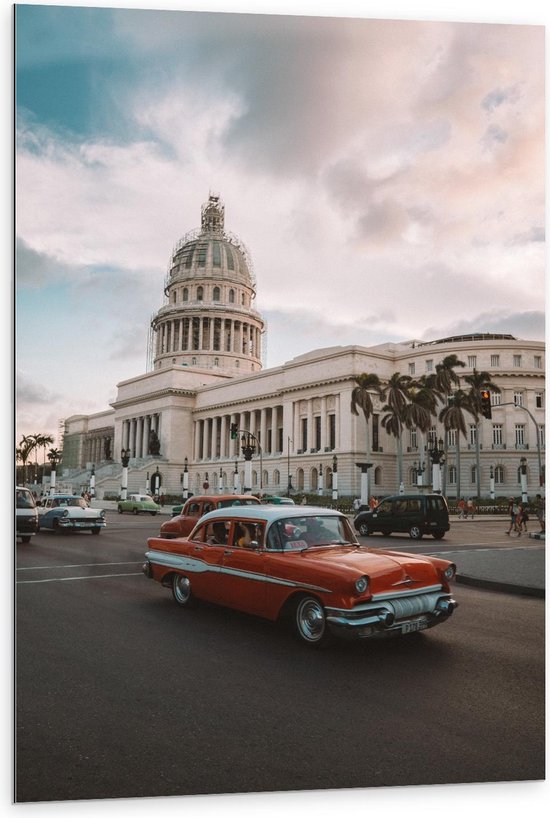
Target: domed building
(204, 377)
(209, 320)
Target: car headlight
(449, 572)
(102, 514)
(65, 513)
(361, 585)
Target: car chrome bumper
(66, 522)
(391, 617)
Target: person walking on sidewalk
(470, 508)
(513, 512)
(540, 511)
(461, 505)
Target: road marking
(70, 579)
(77, 565)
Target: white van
(26, 515)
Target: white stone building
(205, 351)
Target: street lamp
(523, 477)
(220, 485)
(54, 459)
(492, 482)
(124, 459)
(334, 478)
(320, 481)
(248, 448)
(437, 456)
(92, 482)
(236, 479)
(185, 480)
(289, 486)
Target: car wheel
(310, 622)
(364, 529)
(96, 530)
(120, 509)
(181, 589)
(438, 535)
(135, 511)
(152, 513)
(415, 533)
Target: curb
(502, 587)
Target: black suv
(414, 514)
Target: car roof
(269, 513)
(215, 498)
(64, 497)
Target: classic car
(69, 512)
(303, 564)
(137, 503)
(26, 514)
(182, 524)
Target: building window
(429, 365)
(499, 475)
(411, 369)
(495, 360)
(537, 361)
(200, 293)
(216, 361)
(472, 361)
(451, 437)
(332, 431)
(174, 297)
(185, 294)
(452, 475)
(216, 294)
(318, 432)
(193, 361)
(413, 441)
(216, 254)
(496, 398)
(378, 476)
(541, 436)
(520, 434)
(539, 404)
(518, 398)
(473, 474)
(304, 435)
(202, 256)
(472, 436)
(497, 434)
(231, 296)
(517, 360)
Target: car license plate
(416, 625)
(82, 525)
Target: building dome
(209, 319)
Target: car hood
(384, 568)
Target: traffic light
(485, 403)
(234, 431)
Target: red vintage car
(306, 564)
(183, 524)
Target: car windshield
(228, 503)
(24, 499)
(298, 533)
(75, 501)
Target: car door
(244, 567)
(204, 564)
(382, 517)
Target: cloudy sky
(387, 177)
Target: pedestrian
(471, 507)
(461, 505)
(373, 502)
(540, 511)
(512, 511)
(356, 504)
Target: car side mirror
(254, 544)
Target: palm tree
(445, 375)
(361, 400)
(452, 417)
(478, 381)
(422, 406)
(396, 393)
(22, 453)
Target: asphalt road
(122, 694)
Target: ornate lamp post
(185, 479)
(220, 483)
(92, 482)
(364, 482)
(437, 456)
(419, 469)
(289, 484)
(320, 481)
(334, 478)
(492, 483)
(54, 459)
(124, 459)
(236, 479)
(248, 448)
(523, 477)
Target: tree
(361, 400)
(23, 451)
(422, 406)
(452, 417)
(445, 375)
(396, 393)
(478, 381)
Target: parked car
(69, 512)
(195, 507)
(26, 514)
(138, 503)
(413, 514)
(304, 564)
(278, 501)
